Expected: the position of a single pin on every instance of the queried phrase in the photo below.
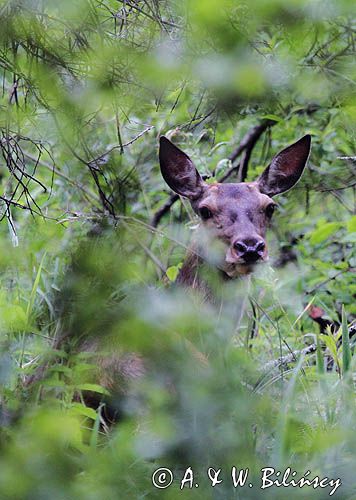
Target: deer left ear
(286, 168)
(179, 171)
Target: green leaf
(172, 272)
(331, 345)
(80, 409)
(351, 224)
(12, 318)
(34, 289)
(62, 369)
(54, 382)
(275, 118)
(93, 388)
(322, 233)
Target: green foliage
(87, 88)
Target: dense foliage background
(91, 237)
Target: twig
(13, 155)
(158, 20)
(63, 176)
(325, 282)
(242, 174)
(121, 146)
(248, 142)
(288, 358)
(339, 188)
(151, 255)
(164, 209)
(23, 207)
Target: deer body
(234, 216)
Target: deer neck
(195, 270)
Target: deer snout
(250, 249)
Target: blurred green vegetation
(87, 88)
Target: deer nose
(250, 249)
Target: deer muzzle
(244, 253)
(249, 250)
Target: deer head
(235, 214)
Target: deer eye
(205, 213)
(270, 209)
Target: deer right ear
(179, 171)
(286, 168)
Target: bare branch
(164, 209)
(121, 146)
(248, 142)
(288, 358)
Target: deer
(234, 215)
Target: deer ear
(179, 171)
(286, 168)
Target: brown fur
(234, 216)
(237, 218)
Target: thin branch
(242, 174)
(161, 212)
(157, 20)
(288, 358)
(150, 254)
(248, 142)
(52, 168)
(23, 207)
(121, 146)
(325, 282)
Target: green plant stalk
(346, 350)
